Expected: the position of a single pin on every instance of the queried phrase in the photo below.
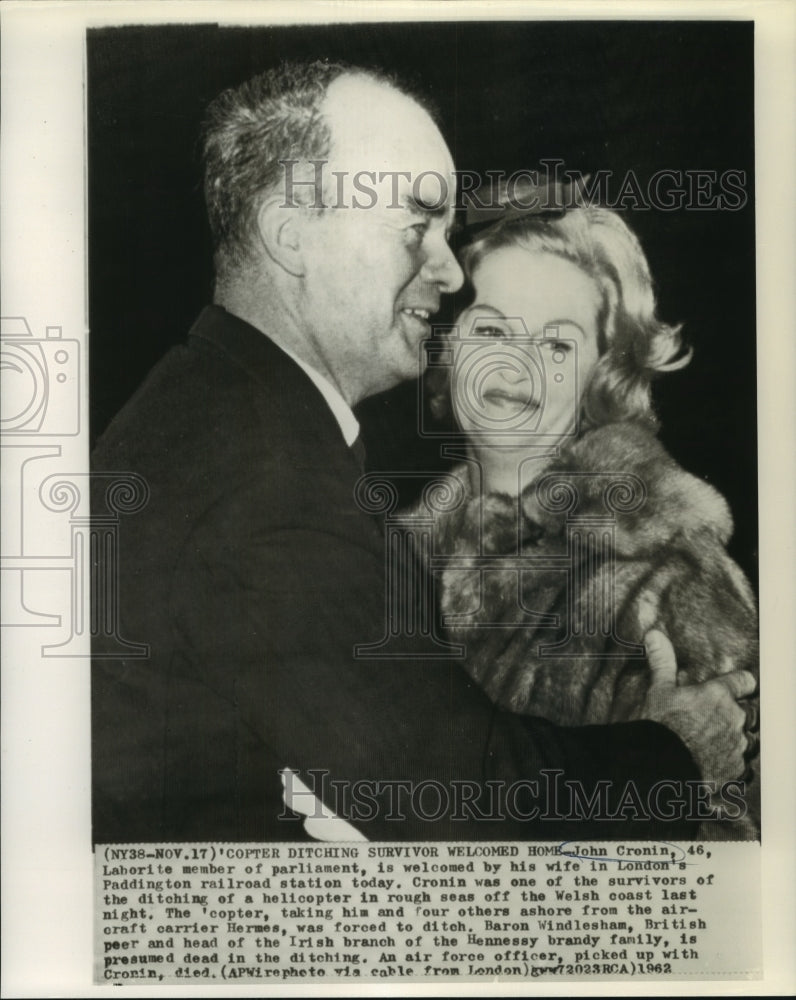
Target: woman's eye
(489, 330)
(557, 345)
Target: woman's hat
(505, 201)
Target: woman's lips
(504, 396)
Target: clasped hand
(706, 716)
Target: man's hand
(706, 717)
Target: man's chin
(389, 379)
(410, 363)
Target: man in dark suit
(252, 573)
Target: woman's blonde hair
(634, 345)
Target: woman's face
(527, 346)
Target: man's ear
(281, 229)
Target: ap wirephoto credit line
(415, 563)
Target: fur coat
(551, 595)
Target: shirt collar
(348, 423)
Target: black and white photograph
(266, 633)
(395, 480)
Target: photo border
(47, 871)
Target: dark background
(618, 96)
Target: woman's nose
(514, 372)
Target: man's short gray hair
(249, 130)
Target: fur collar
(666, 502)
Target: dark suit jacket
(252, 574)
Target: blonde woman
(571, 531)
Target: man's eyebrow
(421, 207)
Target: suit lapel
(294, 416)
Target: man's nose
(441, 267)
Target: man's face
(377, 261)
